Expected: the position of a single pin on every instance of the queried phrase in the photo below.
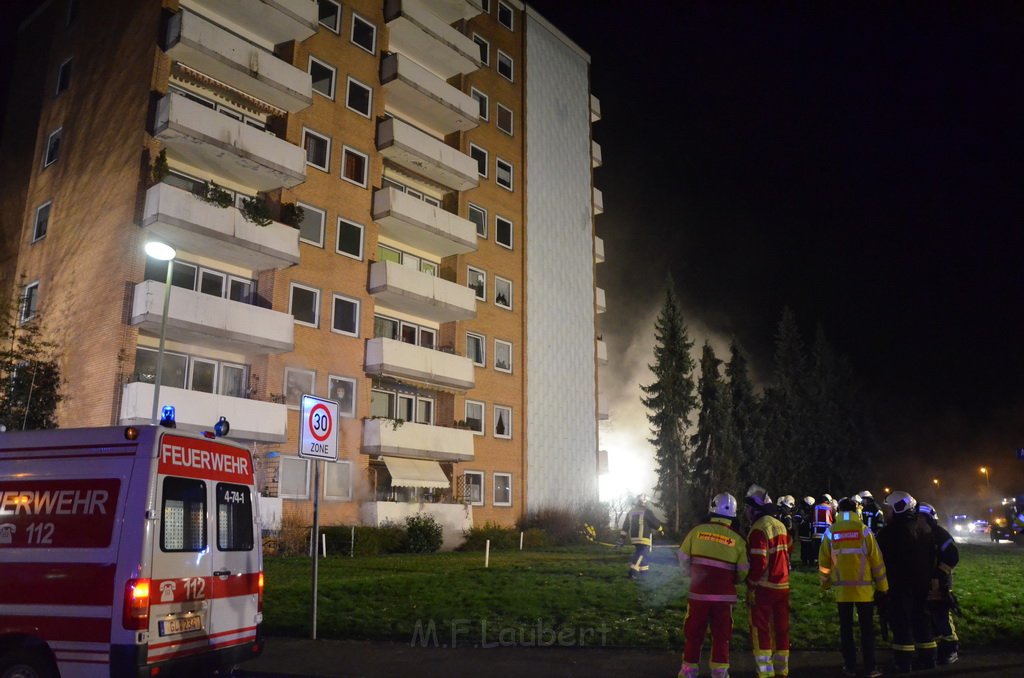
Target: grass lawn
(582, 593)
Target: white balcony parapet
(197, 411)
(450, 11)
(598, 250)
(421, 225)
(595, 154)
(602, 352)
(455, 519)
(420, 34)
(227, 147)
(418, 152)
(389, 357)
(600, 300)
(417, 441)
(408, 290)
(598, 202)
(595, 108)
(602, 408)
(214, 322)
(275, 21)
(185, 222)
(213, 51)
(602, 462)
(414, 93)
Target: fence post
(487, 554)
(352, 550)
(520, 541)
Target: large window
(354, 166)
(201, 279)
(474, 488)
(296, 383)
(505, 15)
(364, 33)
(323, 76)
(502, 421)
(30, 301)
(476, 348)
(329, 14)
(42, 221)
(350, 238)
(475, 416)
(318, 149)
(359, 97)
(485, 49)
(503, 232)
(406, 332)
(502, 356)
(505, 66)
(482, 100)
(183, 511)
(311, 229)
(234, 518)
(478, 215)
(346, 315)
(480, 155)
(502, 489)
(403, 405)
(338, 481)
(64, 76)
(194, 373)
(52, 147)
(294, 478)
(414, 261)
(505, 120)
(343, 390)
(477, 280)
(304, 305)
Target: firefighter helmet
(928, 510)
(641, 499)
(809, 500)
(866, 494)
(787, 501)
(856, 499)
(901, 502)
(723, 505)
(848, 504)
(757, 496)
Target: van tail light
(136, 604)
(259, 592)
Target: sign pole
(316, 540)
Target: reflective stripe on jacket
(639, 524)
(769, 546)
(849, 559)
(823, 517)
(716, 557)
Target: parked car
(979, 526)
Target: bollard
(487, 554)
(323, 539)
(520, 541)
(352, 546)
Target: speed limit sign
(319, 437)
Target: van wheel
(22, 663)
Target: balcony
(418, 33)
(436, 369)
(598, 250)
(455, 519)
(450, 11)
(223, 146)
(213, 322)
(418, 152)
(274, 21)
(417, 441)
(598, 202)
(197, 411)
(415, 93)
(600, 300)
(602, 462)
(422, 225)
(595, 154)
(595, 108)
(408, 290)
(213, 51)
(185, 222)
(602, 408)
(602, 352)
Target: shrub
(423, 534)
(370, 541)
(292, 214)
(215, 195)
(160, 167)
(255, 210)
(293, 537)
(503, 538)
(567, 526)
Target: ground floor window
(474, 494)
(502, 489)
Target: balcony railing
(185, 222)
(408, 290)
(602, 352)
(415, 31)
(595, 154)
(389, 357)
(421, 225)
(274, 21)
(414, 93)
(418, 152)
(595, 108)
(225, 147)
(602, 408)
(213, 322)
(598, 202)
(197, 411)
(211, 50)
(598, 250)
(450, 11)
(600, 300)
(417, 441)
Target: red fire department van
(127, 551)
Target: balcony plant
(160, 167)
(256, 211)
(292, 214)
(215, 195)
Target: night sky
(858, 162)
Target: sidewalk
(349, 659)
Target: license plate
(170, 627)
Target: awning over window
(415, 473)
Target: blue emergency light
(222, 427)
(167, 416)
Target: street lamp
(984, 469)
(935, 482)
(163, 252)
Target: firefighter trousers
(639, 563)
(700, 614)
(911, 630)
(865, 619)
(944, 629)
(769, 631)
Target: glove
(882, 602)
(661, 530)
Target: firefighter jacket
(639, 524)
(908, 546)
(822, 517)
(769, 546)
(715, 556)
(872, 515)
(849, 560)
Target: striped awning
(415, 473)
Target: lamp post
(984, 470)
(163, 252)
(935, 482)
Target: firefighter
(940, 593)
(871, 512)
(714, 558)
(850, 562)
(805, 520)
(822, 517)
(768, 549)
(639, 528)
(908, 546)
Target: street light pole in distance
(163, 252)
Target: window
(234, 518)
(485, 5)
(233, 381)
(364, 33)
(311, 228)
(505, 67)
(202, 376)
(476, 348)
(350, 239)
(475, 416)
(485, 49)
(503, 173)
(201, 279)
(502, 421)
(505, 16)
(53, 147)
(191, 372)
(477, 279)
(354, 166)
(296, 383)
(505, 119)
(338, 481)
(29, 302)
(503, 232)
(502, 489)
(502, 292)
(480, 155)
(478, 215)
(382, 404)
(175, 367)
(474, 481)
(481, 99)
(323, 77)
(330, 14)
(305, 305)
(183, 528)
(346, 315)
(343, 389)
(294, 483)
(42, 221)
(318, 149)
(359, 98)
(63, 77)
(502, 356)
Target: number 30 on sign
(319, 437)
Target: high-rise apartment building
(388, 203)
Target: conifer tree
(30, 381)
(745, 407)
(713, 463)
(786, 458)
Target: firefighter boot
(781, 662)
(903, 657)
(948, 651)
(689, 670)
(720, 672)
(925, 658)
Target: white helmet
(757, 496)
(641, 499)
(828, 498)
(857, 499)
(723, 505)
(901, 502)
(787, 501)
(866, 494)
(927, 510)
(809, 500)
